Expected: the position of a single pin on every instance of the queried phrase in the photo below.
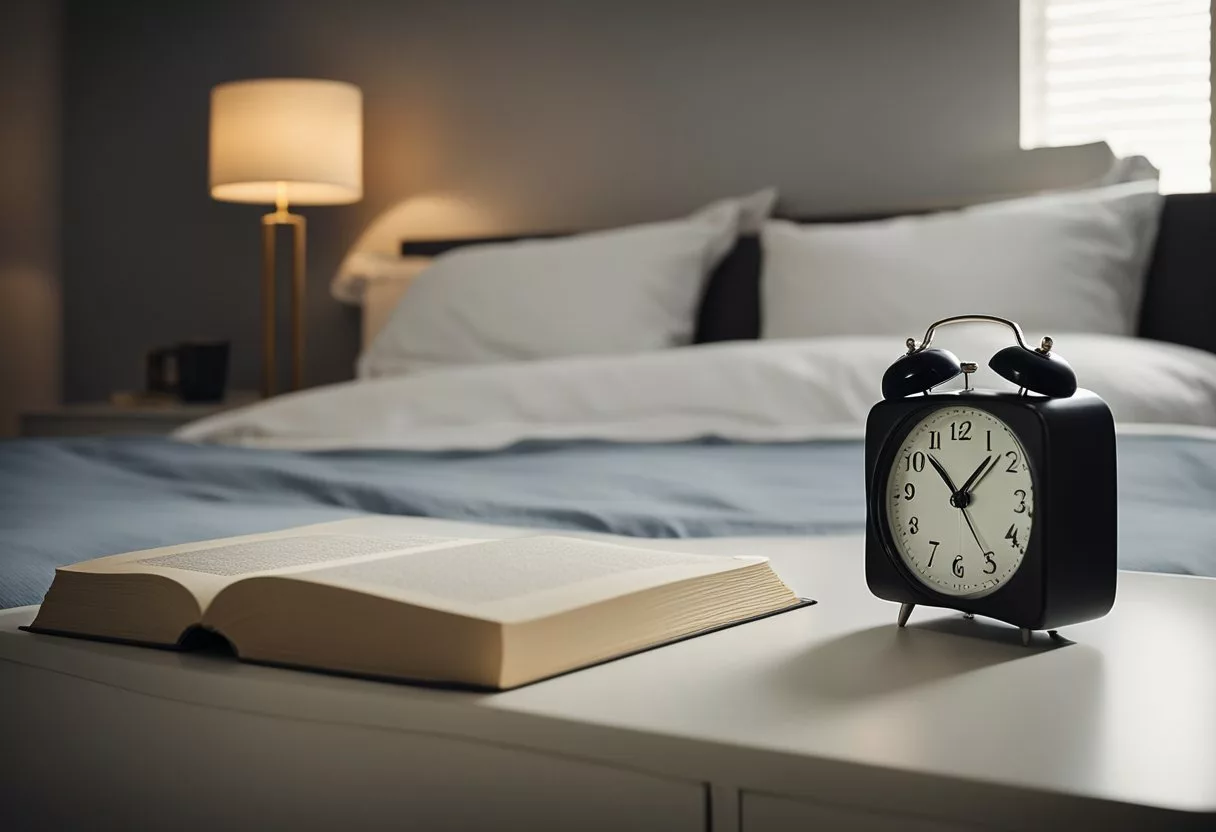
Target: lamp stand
(270, 224)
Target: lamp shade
(287, 139)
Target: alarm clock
(1000, 504)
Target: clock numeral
(914, 462)
(989, 439)
(1021, 495)
(935, 440)
(961, 431)
(909, 491)
(934, 544)
(914, 525)
(1013, 462)
(957, 567)
(988, 561)
(1012, 536)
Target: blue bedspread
(63, 501)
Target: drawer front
(81, 755)
(768, 813)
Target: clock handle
(1038, 370)
(970, 319)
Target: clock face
(960, 501)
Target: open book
(359, 596)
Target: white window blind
(1134, 73)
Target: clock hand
(987, 471)
(967, 516)
(976, 475)
(959, 539)
(941, 472)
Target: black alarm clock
(1000, 504)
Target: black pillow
(730, 307)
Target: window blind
(1133, 73)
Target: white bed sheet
(744, 391)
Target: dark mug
(194, 371)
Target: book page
(519, 578)
(257, 556)
(207, 567)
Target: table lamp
(286, 141)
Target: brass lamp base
(270, 223)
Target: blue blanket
(63, 501)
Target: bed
(731, 436)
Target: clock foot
(1053, 633)
(1026, 631)
(905, 610)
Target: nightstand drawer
(287, 772)
(770, 813)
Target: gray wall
(543, 114)
(29, 207)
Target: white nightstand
(107, 419)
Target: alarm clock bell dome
(919, 371)
(1041, 372)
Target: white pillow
(1066, 262)
(625, 290)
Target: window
(1134, 73)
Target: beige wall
(29, 206)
